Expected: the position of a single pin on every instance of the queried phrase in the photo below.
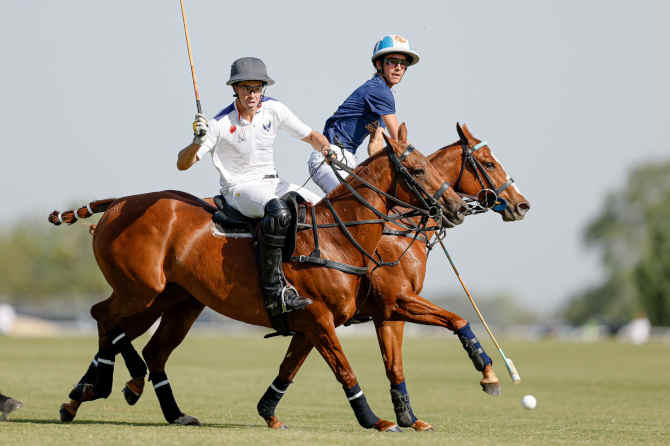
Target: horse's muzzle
(454, 212)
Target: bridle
(429, 209)
(489, 196)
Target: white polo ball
(529, 402)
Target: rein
(431, 210)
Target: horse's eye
(418, 172)
(489, 164)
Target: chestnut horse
(158, 245)
(404, 280)
(471, 167)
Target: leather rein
(430, 209)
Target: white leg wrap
(118, 338)
(276, 389)
(161, 384)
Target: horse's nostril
(523, 207)
(462, 210)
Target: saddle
(229, 219)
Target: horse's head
(421, 184)
(476, 172)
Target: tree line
(41, 261)
(631, 233)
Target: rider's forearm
(317, 141)
(187, 156)
(392, 124)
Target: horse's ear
(402, 133)
(467, 133)
(461, 135)
(464, 133)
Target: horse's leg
(413, 308)
(175, 323)
(97, 381)
(297, 352)
(111, 340)
(138, 324)
(322, 336)
(390, 336)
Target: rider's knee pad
(277, 218)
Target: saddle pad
(220, 232)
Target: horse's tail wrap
(94, 207)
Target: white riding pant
(322, 174)
(250, 197)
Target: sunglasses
(393, 61)
(249, 89)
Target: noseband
(496, 203)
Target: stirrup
(282, 298)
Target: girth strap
(315, 257)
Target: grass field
(593, 394)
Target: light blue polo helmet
(394, 43)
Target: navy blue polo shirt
(367, 104)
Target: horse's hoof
(387, 426)
(274, 423)
(491, 388)
(130, 396)
(187, 420)
(133, 390)
(67, 413)
(422, 426)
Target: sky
(97, 100)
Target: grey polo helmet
(249, 69)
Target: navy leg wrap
(270, 399)
(105, 375)
(89, 376)
(364, 414)
(474, 349)
(165, 397)
(121, 344)
(403, 409)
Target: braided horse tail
(94, 207)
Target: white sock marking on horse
(161, 384)
(358, 395)
(276, 389)
(106, 361)
(118, 338)
(60, 220)
(90, 211)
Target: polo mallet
(511, 369)
(190, 59)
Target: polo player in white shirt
(240, 140)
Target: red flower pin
(232, 129)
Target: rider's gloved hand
(330, 152)
(200, 126)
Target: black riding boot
(278, 295)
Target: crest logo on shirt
(267, 126)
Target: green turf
(593, 394)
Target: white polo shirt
(242, 151)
